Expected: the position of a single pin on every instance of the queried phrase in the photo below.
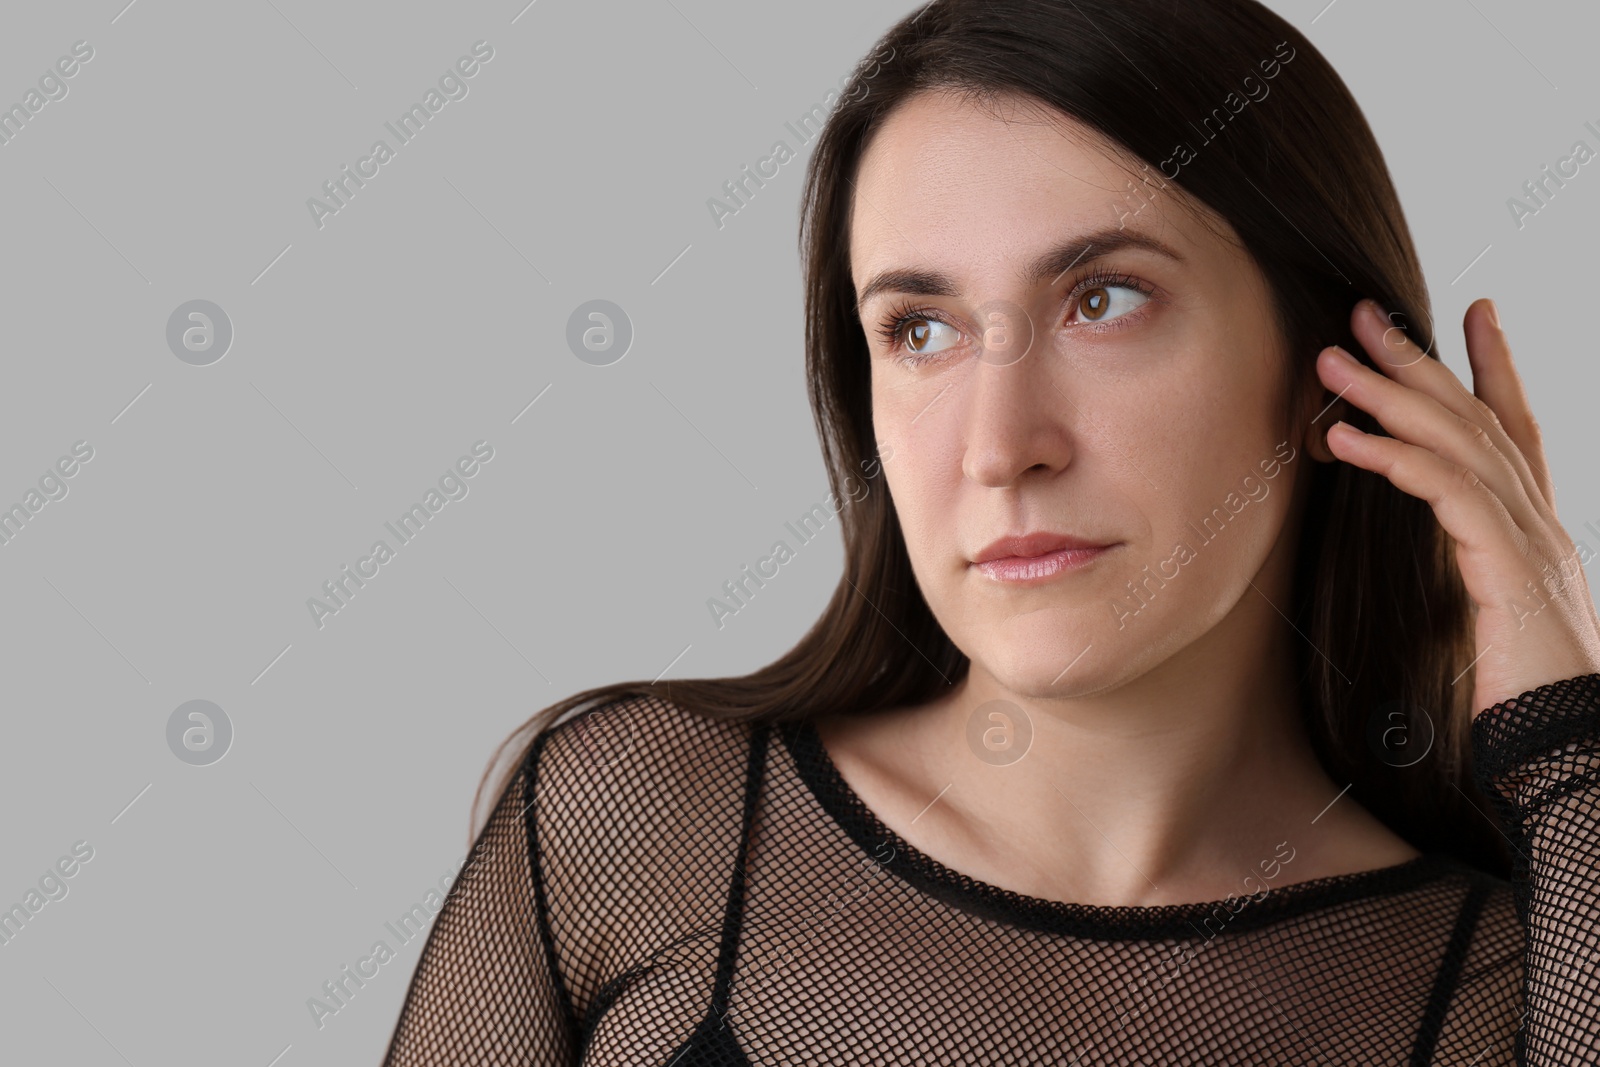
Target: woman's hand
(1479, 461)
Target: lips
(1031, 545)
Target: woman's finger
(1470, 512)
(1416, 418)
(1398, 357)
(1496, 382)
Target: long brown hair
(1298, 174)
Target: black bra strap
(755, 773)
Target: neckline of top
(1101, 922)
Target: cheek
(1164, 435)
(1188, 451)
(922, 481)
(1212, 496)
(924, 475)
(1200, 415)
(903, 404)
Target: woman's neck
(1169, 788)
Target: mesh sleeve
(1537, 758)
(486, 991)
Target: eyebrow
(1053, 263)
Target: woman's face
(1123, 396)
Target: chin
(1028, 653)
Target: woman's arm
(1537, 758)
(485, 991)
(1478, 459)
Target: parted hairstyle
(1237, 109)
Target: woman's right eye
(921, 337)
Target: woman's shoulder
(638, 781)
(634, 741)
(636, 807)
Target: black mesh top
(656, 887)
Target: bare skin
(1167, 759)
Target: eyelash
(902, 314)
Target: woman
(1210, 680)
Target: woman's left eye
(1104, 302)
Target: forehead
(947, 180)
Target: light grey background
(369, 354)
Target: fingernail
(1346, 355)
(1376, 309)
(1494, 313)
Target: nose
(1016, 418)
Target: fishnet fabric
(659, 888)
